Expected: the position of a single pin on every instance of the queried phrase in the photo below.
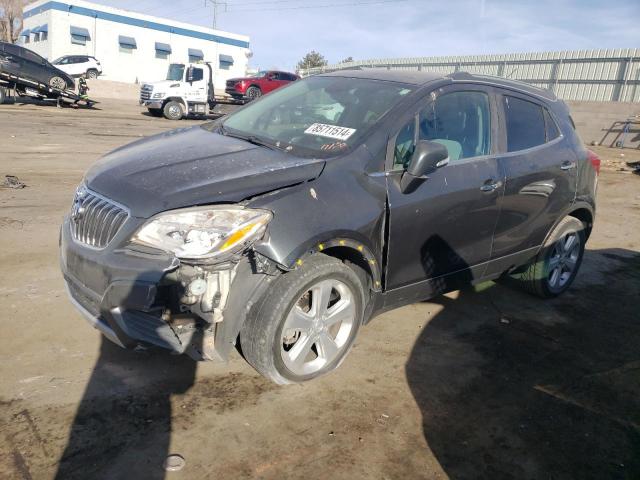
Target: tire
(270, 338)
(173, 110)
(253, 92)
(3, 95)
(156, 112)
(555, 267)
(92, 73)
(58, 83)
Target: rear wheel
(92, 73)
(555, 267)
(306, 323)
(253, 92)
(58, 83)
(173, 110)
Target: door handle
(567, 165)
(490, 187)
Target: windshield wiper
(248, 138)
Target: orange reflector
(237, 236)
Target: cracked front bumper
(140, 298)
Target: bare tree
(11, 19)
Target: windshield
(176, 72)
(58, 60)
(319, 116)
(257, 74)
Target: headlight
(204, 232)
(158, 95)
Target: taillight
(594, 160)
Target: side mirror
(190, 74)
(427, 158)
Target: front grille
(95, 220)
(145, 92)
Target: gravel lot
(486, 383)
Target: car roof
(419, 77)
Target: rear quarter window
(525, 124)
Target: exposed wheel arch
(586, 217)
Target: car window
(33, 57)
(13, 50)
(461, 122)
(525, 124)
(405, 145)
(318, 116)
(197, 74)
(552, 127)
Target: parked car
(285, 226)
(254, 86)
(22, 62)
(76, 65)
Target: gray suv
(282, 228)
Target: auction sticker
(330, 131)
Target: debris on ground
(174, 462)
(11, 181)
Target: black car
(283, 227)
(24, 63)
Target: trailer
(12, 86)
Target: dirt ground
(487, 383)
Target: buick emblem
(77, 209)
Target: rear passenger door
(540, 168)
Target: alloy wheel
(318, 327)
(58, 83)
(563, 260)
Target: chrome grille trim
(95, 220)
(145, 92)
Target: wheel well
(585, 217)
(350, 256)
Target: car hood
(193, 166)
(163, 85)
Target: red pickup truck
(252, 87)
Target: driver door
(197, 91)
(440, 234)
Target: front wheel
(173, 110)
(306, 323)
(555, 267)
(58, 83)
(253, 93)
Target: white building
(132, 47)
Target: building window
(195, 55)
(127, 44)
(225, 62)
(163, 50)
(44, 36)
(79, 35)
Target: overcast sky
(281, 35)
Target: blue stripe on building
(136, 22)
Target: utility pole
(215, 4)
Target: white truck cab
(187, 90)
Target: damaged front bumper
(148, 297)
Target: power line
(305, 7)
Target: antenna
(215, 4)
